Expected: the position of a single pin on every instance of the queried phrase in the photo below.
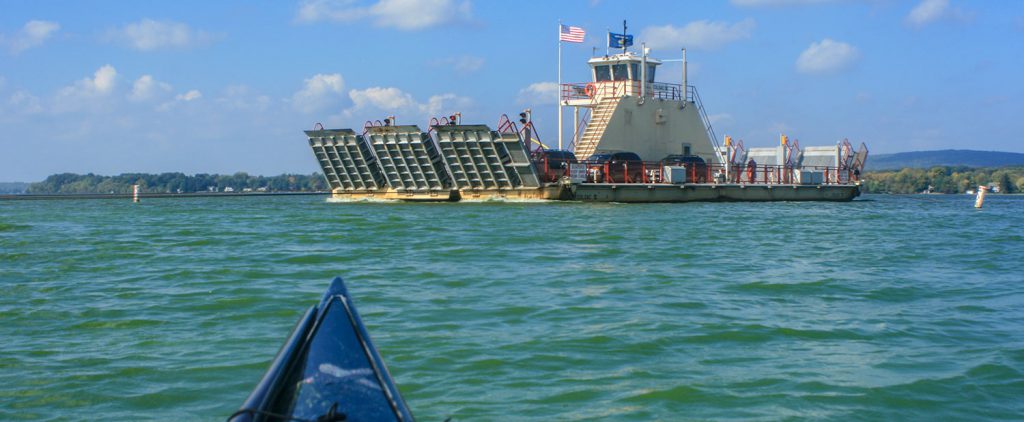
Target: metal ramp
(346, 159)
(517, 157)
(481, 159)
(860, 157)
(408, 158)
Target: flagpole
(559, 90)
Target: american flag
(570, 33)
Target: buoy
(135, 193)
(981, 196)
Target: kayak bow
(327, 370)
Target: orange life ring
(590, 90)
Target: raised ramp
(408, 158)
(819, 157)
(767, 156)
(518, 158)
(482, 159)
(346, 160)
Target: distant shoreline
(54, 196)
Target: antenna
(623, 36)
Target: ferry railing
(591, 90)
(694, 96)
(533, 144)
(652, 172)
(506, 125)
(434, 122)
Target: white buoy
(981, 196)
(135, 193)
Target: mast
(684, 74)
(623, 36)
(559, 90)
(643, 71)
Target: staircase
(694, 96)
(595, 129)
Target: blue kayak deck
(328, 369)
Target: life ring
(590, 90)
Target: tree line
(941, 179)
(176, 183)
(944, 179)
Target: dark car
(696, 168)
(554, 163)
(621, 167)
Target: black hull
(328, 369)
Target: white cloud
(33, 34)
(84, 92)
(703, 34)
(776, 3)
(149, 35)
(540, 93)
(400, 14)
(462, 64)
(146, 88)
(394, 100)
(827, 56)
(185, 97)
(318, 92)
(24, 102)
(445, 104)
(240, 97)
(191, 95)
(927, 11)
(931, 11)
(720, 118)
(382, 98)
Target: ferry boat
(634, 140)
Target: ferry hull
(625, 193)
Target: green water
(884, 308)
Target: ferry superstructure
(621, 112)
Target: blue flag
(619, 40)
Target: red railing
(654, 173)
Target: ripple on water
(495, 311)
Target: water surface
(889, 307)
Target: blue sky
(219, 87)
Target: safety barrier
(590, 90)
(648, 172)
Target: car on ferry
(696, 168)
(554, 163)
(615, 167)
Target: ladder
(595, 128)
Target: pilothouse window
(635, 71)
(602, 73)
(619, 72)
(650, 73)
